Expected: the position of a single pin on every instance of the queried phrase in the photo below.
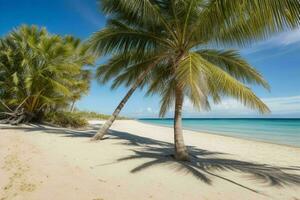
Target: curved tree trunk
(72, 106)
(104, 129)
(181, 152)
(100, 134)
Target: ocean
(272, 130)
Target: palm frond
(223, 84)
(116, 39)
(242, 22)
(235, 65)
(190, 76)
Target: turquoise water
(278, 131)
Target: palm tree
(132, 64)
(38, 71)
(80, 87)
(194, 33)
(220, 73)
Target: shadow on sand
(203, 165)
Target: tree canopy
(40, 71)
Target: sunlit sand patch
(18, 182)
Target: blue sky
(278, 59)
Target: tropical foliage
(181, 49)
(40, 72)
(65, 119)
(95, 115)
(74, 119)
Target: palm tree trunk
(72, 106)
(104, 129)
(181, 152)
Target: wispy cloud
(143, 112)
(86, 12)
(283, 41)
(279, 106)
(229, 107)
(289, 37)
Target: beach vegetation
(89, 115)
(65, 119)
(40, 73)
(74, 119)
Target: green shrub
(66, 119)
(94, 115)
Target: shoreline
(220, 134)
(217, 138)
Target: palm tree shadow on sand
(203, 164)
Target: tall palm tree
(194, 34)
(219, 74)
(38, 70)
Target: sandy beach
(135, 162)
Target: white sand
(39, 163)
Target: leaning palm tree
(194, 34)
(137, 63)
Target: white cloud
(279, 106)
(282, 40)
(149, 110)
(289, 37)
(143, 112)
(230, 107)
